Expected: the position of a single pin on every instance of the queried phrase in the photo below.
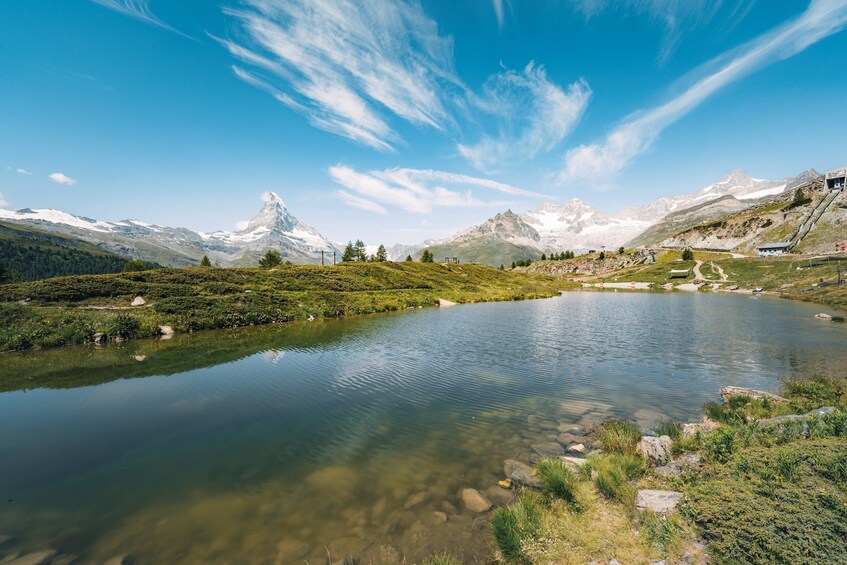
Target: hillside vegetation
(72, 309)
(33, 254)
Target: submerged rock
(289, 551)
(499, 496)
(37, 558)
(474, 501)
(415, 499)
(540, 423)
(548, 449)
(659, 501)
(656, 450)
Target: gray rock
(689, 459)
(574, 461)
(479, 524)
(500, 496)
(548, 449)
(705, 426)
(801, 417)
(672, 469)
(728, 392)
(449, 508)
(521, 474)
(576, 449)
(37, 558)
(100, 337)
(439, 517)
(659, 501)
(138, 301)
(614, 561)
(474, 501)
(568, 438)
(657, 450)
(571, 429)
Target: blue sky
(396, 121)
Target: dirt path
(698, 276)
(723, 275)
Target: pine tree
(621, 250)
(688, 255)
(349, 253)
(426, 256)
(513, 264)
(381, 255)
(359, 247)
(409, 259)
(204, 262)
(602, 255)
(543, 257)
(501, 266)
(270, 260)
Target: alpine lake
(354, 438)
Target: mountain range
(508, 236)
(272, 228)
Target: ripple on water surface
(355, 437)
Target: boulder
(689, 459)
(100, 337)
(817, 413)
(521, 474)
(138, 301)
(576, 449)
(728, 392)
(657, 450)
(705, 426)
(389, 554)
(166, 332)
(474, 501)
(672, 469)
(571, 429)
(659, 501)
(548, 449)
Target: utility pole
(333, 257)
(322, 257)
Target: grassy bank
(66, 310)
(752, 492)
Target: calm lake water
(347, 437)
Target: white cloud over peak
(533, 115)
(415, 190)
(348, 64)
(634, 136)
(61, 178)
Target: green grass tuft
(662, 533)
(560, 481)
(516, 524)
(443, 558)
(618, 436)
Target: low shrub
(124, 326)
(720, 444)
(611, 476)
(618, 436)
(670, 428)
(560, 481)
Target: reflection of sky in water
(330, 420)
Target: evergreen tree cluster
(356, 252)
(427, 257)
(560, 256)
(27, 255)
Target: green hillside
(71, 309)
(31, 254)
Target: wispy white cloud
(636, 135)
(23, 172)
(415, 190)
(534, 115)
(140, 10)
(498, 11)
(676, 16)
(61, 178)
(348, 65)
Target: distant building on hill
(770, 249)
(835, 180)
